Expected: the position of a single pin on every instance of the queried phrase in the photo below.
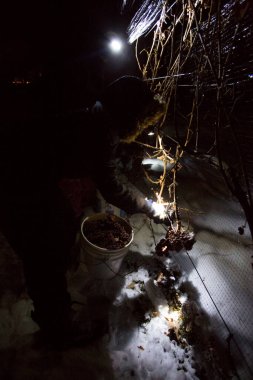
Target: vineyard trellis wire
(200, 51)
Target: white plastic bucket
(104, 263)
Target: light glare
(159, 209)
(116, 45)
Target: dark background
(65, 45)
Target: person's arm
(123, 194)
(116, 188)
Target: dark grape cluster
(175, 241)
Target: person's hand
(164, 220)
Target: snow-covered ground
(213, 282)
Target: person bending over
(37, 151)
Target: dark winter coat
(92, 148)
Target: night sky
(66, 41)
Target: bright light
(116, 45)
(164, 311)
(171, 315)
(183, 298)
(159, 209)
(174, 315)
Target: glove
(159, 220)
(157, 213)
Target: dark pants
(41, 228)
